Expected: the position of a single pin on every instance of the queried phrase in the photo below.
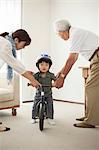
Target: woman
(9, 43)
(85, 43)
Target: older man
(85, 43)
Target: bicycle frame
(42, 106)
(42, 109)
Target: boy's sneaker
(33, 121)
(51, 121)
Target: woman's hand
(30, 72)
(31, 78)
(35, 83)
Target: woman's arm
(31, 78)
(6, 56)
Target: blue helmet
(46, 58)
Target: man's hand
(65, 70)
(58, 74)
(59, 82)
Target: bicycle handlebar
(29, 84)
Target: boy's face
(44, 67)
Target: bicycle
(42, 107)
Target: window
(10, 17)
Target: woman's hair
(62, 25)
(44, 59)
(21, 34)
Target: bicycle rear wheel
(41, 117)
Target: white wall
(37, 18)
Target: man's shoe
(3, 129)
(80, 119)
(7, 129)
(83, 125)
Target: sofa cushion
(6, 94)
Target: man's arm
(63, 73)
(69, 63)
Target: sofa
(10, 93)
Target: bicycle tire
(41, 117)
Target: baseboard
(65, 101)
(68, 101)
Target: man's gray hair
(62, 25)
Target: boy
(44, 77)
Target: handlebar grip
(28, 84)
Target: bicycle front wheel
(41, 117)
